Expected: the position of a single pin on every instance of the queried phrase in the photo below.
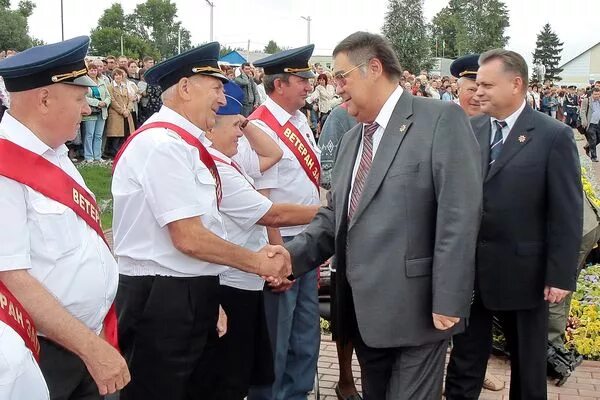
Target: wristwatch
(244, 124)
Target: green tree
(448, 32)
(547, 53)
(112, 26)
(154, 21)
(487, 21)
(26, 8)
(14, 29)
(272, 47)
(469, 26)
(405, 28)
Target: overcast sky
(237, 21)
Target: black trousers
(167, 333)
(65, 373)
(571, 118)
(400, 373)
(592, 134)
(526, 336)
(244, 353)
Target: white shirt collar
(168, 115)
(16, 132)
(511, 119)
(383, 118)
(279, 113)
(218, 154)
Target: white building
(583, 69)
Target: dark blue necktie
(496, 147)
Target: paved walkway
(584, 384)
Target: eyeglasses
(340, 78)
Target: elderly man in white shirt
(244, 353)
(53, 257)
(170, 238)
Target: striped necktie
(496, 147)
(366, 159)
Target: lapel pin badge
(522, 139)
(402, 128)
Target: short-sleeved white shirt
(160, 179)
(20, 375)
(247, 158)
(46, 237)
(291, 184)
(242, 206)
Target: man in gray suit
(402, 221)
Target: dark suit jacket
(410, 247)
(532, 212)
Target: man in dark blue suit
(530, 231)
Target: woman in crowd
(120, 121)
(324, 97)
(132, 88)
(93, 125)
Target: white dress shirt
(242, 206)
(287, 180)
(247, 158)
(158, 180)
(20, 375)
(46, 237)
(382, 119)
(510, 122)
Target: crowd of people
(441, 215)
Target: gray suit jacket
(410, 247)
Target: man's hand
(222, 322)
(284, 285)
(554, 295)
(443, 322)
(106, 366)
(274, 261)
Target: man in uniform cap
(53, 257)
(465, 69)
(169, 236)
(571, 106)
(292, 315)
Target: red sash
(190, 139)
(234, 165)
(33, 170)
(294, 140)
(14, 315)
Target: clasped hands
(275, 265)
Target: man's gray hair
(512, 62)
(269, 81)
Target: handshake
(274, 264)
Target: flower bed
(583, 330)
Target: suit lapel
(519, 136)
(393, 136)
(482, 129)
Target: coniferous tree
(547, 53)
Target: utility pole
(212, 7)
(248, 52)
(62, 21)
(308, 19)
(122, 50)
